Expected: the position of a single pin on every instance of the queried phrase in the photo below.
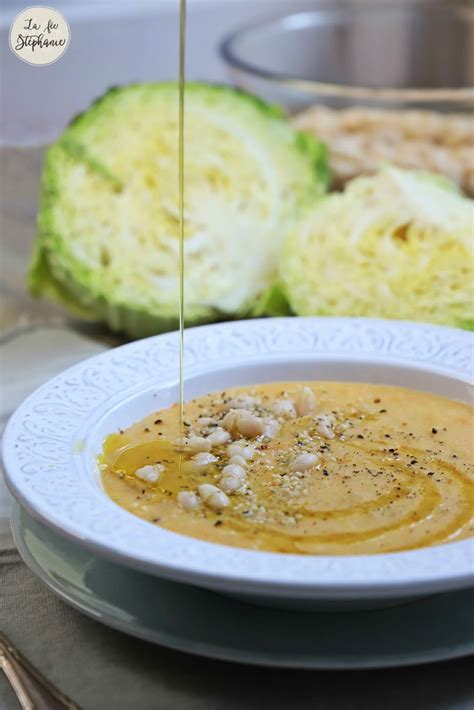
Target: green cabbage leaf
(108, 223)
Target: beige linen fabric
(102, 669)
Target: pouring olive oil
(371, 477)
(182, 62)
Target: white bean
(205, 421)
(229, 422)
(238, 459)
(243, 422)
(248, 424)
(324, 426)
(213, 496)
(271, 428)
(197, 465)
(230, 484)
(284, 408)
(188, 500)
(219, 436)
(150, 473)
(218, 501)
(197, 444)
(233, 478)
(239, 448)
(304, 461)
(207, 489)
(306, 402)
(204, 458)
(233, 469)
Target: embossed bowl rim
(52, 440)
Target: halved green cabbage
(395, 245)
(108, 220)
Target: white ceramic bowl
(52, 441)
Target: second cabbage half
(398, 244)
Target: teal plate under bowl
(201, 622)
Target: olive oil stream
(182, 69)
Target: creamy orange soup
(321, 468)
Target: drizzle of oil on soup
(340, 468)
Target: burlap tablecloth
(97, 667)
